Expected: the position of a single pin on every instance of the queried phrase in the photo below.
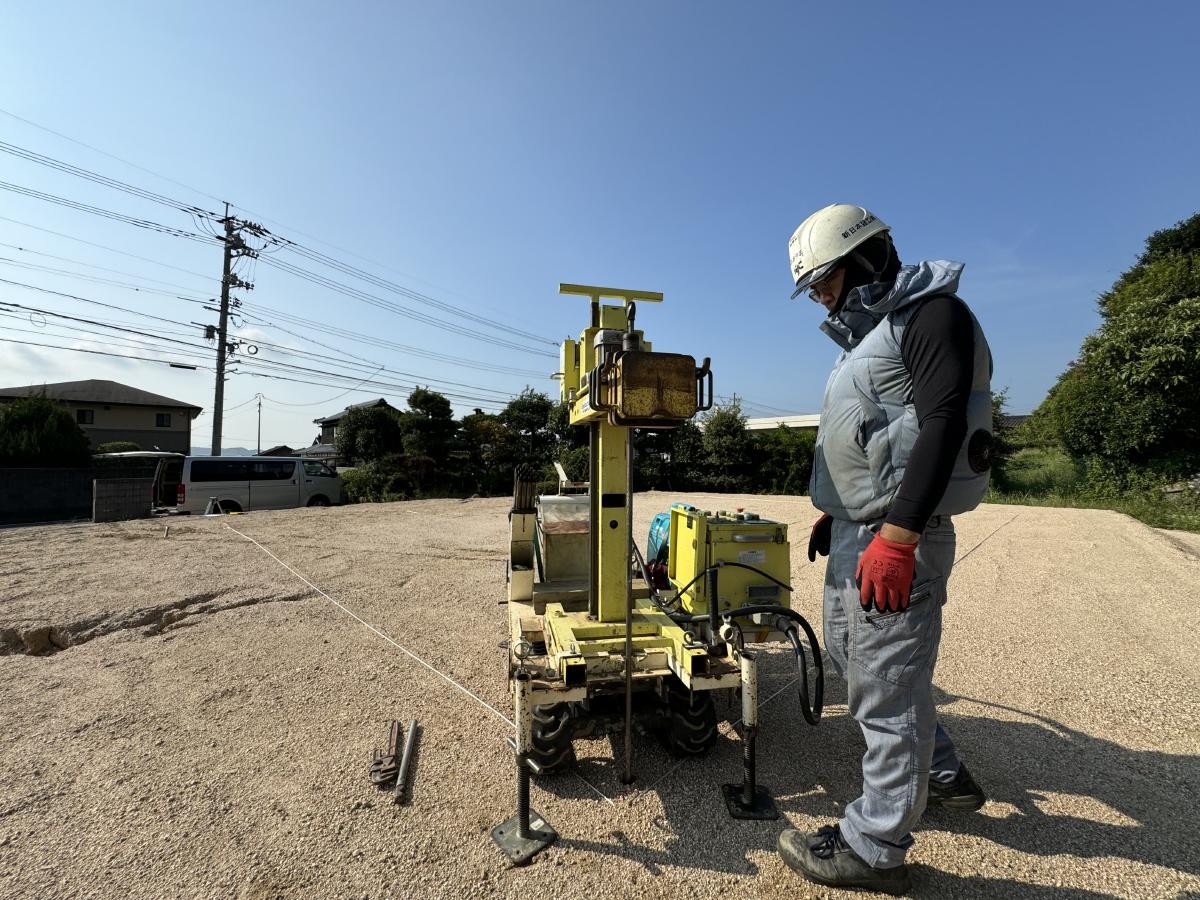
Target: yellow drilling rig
(594, 644)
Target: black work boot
(961, 792)
(824, 857)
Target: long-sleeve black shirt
(938, 348)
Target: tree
(427, 431)
(490, 450)
(527, 416)
(369, 433)
(35, 431)
(727, 448)
(1129, 405)
(784, 459)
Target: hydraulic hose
(812, 704)
(810, 710)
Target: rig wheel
(552, 733)
(691, 726)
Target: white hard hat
(825, 238)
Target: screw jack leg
(749, 800)
(527, 833)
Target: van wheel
(230, 506)
(319, 501)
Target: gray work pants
(887, 660)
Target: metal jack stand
(749, 800)
(527, 833)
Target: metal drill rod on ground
(410, 741)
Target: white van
(242, 483)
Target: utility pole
(222, 328)
(235, 248)
(259, 451)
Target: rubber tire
(319, 500)
(552, 732)
(691, 728)
(229, 506)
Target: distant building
(326, 453)
(281, 450)
(1010, 422)
(767, 423)
(109, 411)
(329, 423)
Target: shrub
(378, 481)
(118, 447)
(35, 431)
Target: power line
(253, 363)
(418, 378)
(104, 213)
(96, 279)
(374, 341)
(103, 247)
(190, 187)
(97, 178)
(12, 115)
(304, 274)
(100, 353)
(80, 262)
(320, 402)
(202, 218)
(347, 269)
(58, 315)
(390, 306)
(34, 287)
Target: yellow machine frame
(583, 626)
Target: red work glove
(818, 541)
(885, 574)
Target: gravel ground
(206, 729)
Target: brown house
(109, 411)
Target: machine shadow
(813, 773)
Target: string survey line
(393, 642)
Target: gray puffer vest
(868, 420)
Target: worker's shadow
(1053, 790)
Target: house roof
(281, 450)
(337, 417)
(318, 451)
(95, 390)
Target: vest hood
(865, 306)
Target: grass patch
(1048, 476)
(1040, 470)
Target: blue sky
(483, 152)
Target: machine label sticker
(752, 557)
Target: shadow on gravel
(1040, 768)
(1026, 763)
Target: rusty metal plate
(660, 386)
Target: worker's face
(828, 289)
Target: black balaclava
(874, 260)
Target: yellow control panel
(741, 542)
